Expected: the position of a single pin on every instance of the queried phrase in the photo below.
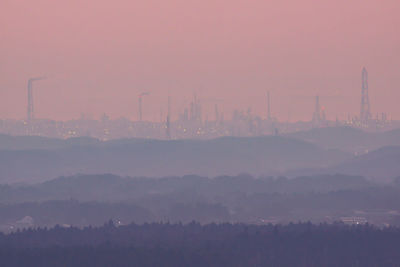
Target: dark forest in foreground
(302, 244)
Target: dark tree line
(302, 244)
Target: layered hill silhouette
(138, 157)
(108, 187)
(323, 150)
(8, 142)
(382, 164)
(344, 138)
(348, 139)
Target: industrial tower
(140, 104)
(317, 111)
(168, 123)
(365, 113)
(216, 110)
(30, 111)
(268, 107)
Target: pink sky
(99, 55)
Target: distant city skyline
(98, 57)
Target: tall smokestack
(216, 113)
(140, 104)
(168, 126)
(317, 111)
(140, 108)
(365, 113)
(169, 106)
(268, 107)
(30, 109)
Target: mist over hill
(382, 164)
(84, 200)
(348, 139)
(222, 156)
(108, 187)
(9, 142)
(322, 150)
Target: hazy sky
(99, 55)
